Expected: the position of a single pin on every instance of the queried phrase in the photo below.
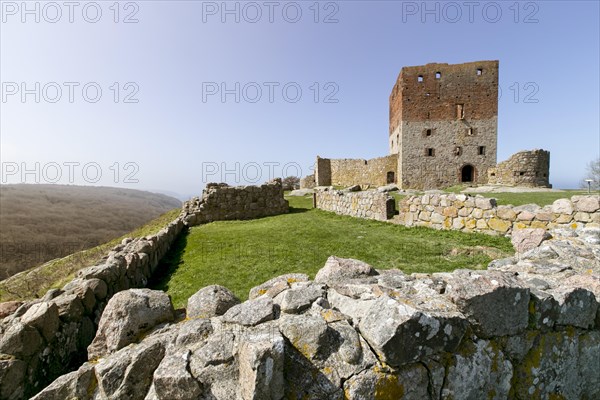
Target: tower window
(429, 152)
(481, 150)
(457, 151)
(470, 132)
(479, 71)
(420, 78)
(438, 75)
(428, 132)
(460, 111)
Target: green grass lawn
(517, 199)
(243, 254)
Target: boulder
(307, 333)
(400, 333)
(299, 298)
(127, 374)
(588, 204)
(250, 313)
(494, 302)
(74, 385)
(526, 239)
(261, 367)
(44, 317)
(173, 381)
(210, 301)
(282, 282)
(562, 206)
(127, 315)
(337, 270)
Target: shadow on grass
(169, 263)
(296, 210)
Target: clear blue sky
(177, 51)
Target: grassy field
(56, 273)
(243, 254)
(517, 199)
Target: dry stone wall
(347, 171)
(481, 214)
(369, 204)
(308, 182)
(46, 337)
(526, 328)
(525, 168)
(222, 202)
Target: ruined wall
(443, 118)
(481, 214)
(308, 182)
(369, 204)
(46, 337)
(221, 202)
(525, 328)
(525, 168)
(347, 171)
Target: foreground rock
(528, 327)
(127, 315)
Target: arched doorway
(391, 177)
(467, 173)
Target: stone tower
(443, 124)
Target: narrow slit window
(460, 111)
(438, 75)
(481, 150)
(479, 71)
(470, 132)
(458, 151)
(429, 152)
(420, 78)
(428, 132)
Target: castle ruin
(443, 131)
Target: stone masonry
(369, 204)
(526, 168)
(526, 328)
(222, 202)
(442, 132)
(481, 214)
(346, 172)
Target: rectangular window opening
(481, 150)
(438, 75)
(429, 152)
(479, 71)
(460, 111)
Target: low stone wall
(222, 202)
(523, 329)
(44, 338)
(481, 214)
(369, 204)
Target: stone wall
(369, 204)
(522, 329)
(44, 338)
(308, 182)
(481, 214)
(347, 171)
(525, 168)
(221, 202)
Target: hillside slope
(43, 222)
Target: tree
(592, 171)
(291, 183)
